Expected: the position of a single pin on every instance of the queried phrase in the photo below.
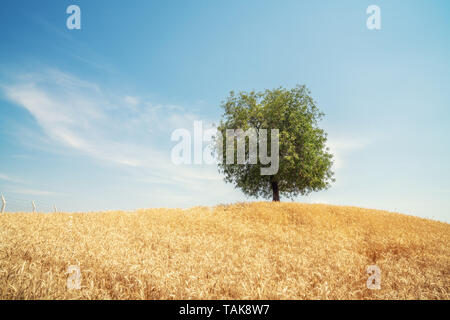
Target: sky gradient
(86, 115)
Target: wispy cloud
(7, 178)
(341, 148)
(121, 130)
(18, 186)
(4, 177)
(32, 192)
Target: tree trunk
(275, 191)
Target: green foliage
(305, 162)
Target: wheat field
(242, 251)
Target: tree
(304, 160)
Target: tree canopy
(304, 160)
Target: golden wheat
(242, 251)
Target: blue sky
(86, 115)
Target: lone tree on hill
(304, 160)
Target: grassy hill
(242, 251)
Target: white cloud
(8, 178)
(11, 189)
(80, 116)
(342, 148)
(132, 101)
(32, 192)
(4, 177)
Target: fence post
(54, 207)
(3, 204)
(34, 206)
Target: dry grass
(242, 251)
